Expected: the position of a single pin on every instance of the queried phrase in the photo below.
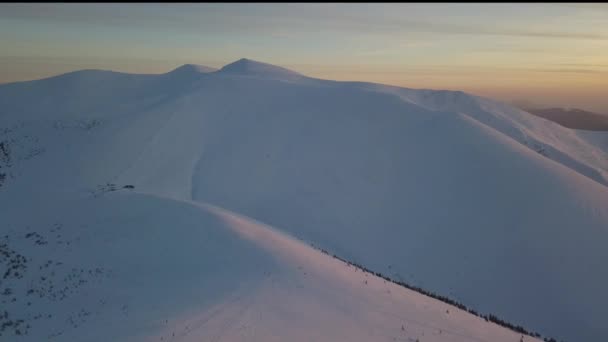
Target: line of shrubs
(489, 317)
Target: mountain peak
(192, 68)
(249, 67)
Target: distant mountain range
(573, 118)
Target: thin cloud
(589, 6)
(216, 18)
(583, 65)
(422, 26)
(575, 71)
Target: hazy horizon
(544, 54)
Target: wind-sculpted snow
(462, 196)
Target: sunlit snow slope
(135, 267)
(464, 196)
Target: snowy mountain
(247, 67)
(460, 195)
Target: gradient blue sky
(550, 54)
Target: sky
(543, 54)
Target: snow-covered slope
(543, 136)
(135, 267)
(464, 196)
